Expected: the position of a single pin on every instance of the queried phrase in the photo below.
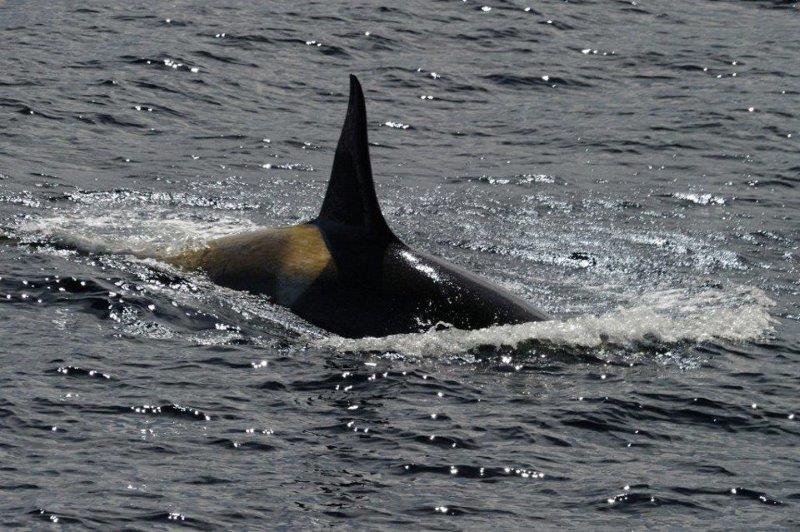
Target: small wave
(172, 410)
(516, 179)
(669, 316)
(520, 81)
(699, 199)
(81, 372)
(396, 125)
(300, 167)
(172, 199)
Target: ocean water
(630, 167)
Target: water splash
(669, 316)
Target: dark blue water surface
(630, 167)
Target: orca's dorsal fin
(350, 198)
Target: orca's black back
(375, 290)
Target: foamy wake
(670, 316)
(120, 232)
(730, 314)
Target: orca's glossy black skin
(346, 271)
(381, 288)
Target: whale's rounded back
(346, 271)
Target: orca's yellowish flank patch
(282, 261)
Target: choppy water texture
(630, 167)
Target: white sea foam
(671, 316)
(119, 232)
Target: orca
(346, 271)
